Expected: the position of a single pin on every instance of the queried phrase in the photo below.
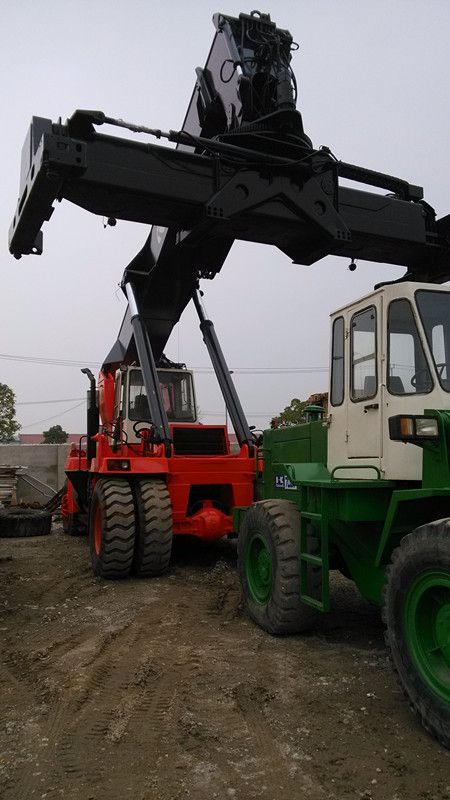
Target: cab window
(337, 363)
(119, 393)
(363, 342)
(408, 371)
(434, 309)
(138, 408)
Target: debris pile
(8, 483)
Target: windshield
(434, 309)
(408, 371)
(177, 395)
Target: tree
(55, 435)
(291, 415)
(8, 424)
(294, 413)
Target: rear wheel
(417, 616)
(112, 528)
(269, 568)
(154, 528)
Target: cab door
(364, 407)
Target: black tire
(421, 564)
(276, 524)
(154, 528)
(112, 528)
(24, 522)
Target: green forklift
(363, 487)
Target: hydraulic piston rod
(223, 375)
(151, 381)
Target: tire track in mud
(270, 766)
(31, 659)
(118, 707)
(11, 684)
(131, 720)
(261, 758)
(241, 746)
(65, 713)
(145, 683)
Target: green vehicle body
(355, 524)
(366, 490)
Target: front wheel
(417, 617)
(269, 567)
(154, 528)
(112, 528)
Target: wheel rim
(427, 617)
(258, 568)
(98, 532)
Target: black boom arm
(243, 169)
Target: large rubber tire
(112, 528)
(269, 567)
(417, 616)
(154, 528)
(24, 522)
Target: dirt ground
(164, 689)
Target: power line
(45, 402)
(247, 413)
(264, 370)
(55, 416)
(81, 400)
(54, 362)
(64, 362)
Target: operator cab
(390, 355)
(131, 402)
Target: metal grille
(199, 441)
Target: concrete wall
(44, 461)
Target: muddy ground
(164, 689)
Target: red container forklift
(148, 469)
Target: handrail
(84, 436)
(355, 466)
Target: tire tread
(118, 521)
(284, 612)
(154, 528)
(431, 541)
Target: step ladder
(314, 556)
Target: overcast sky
(373, 81)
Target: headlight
(118, 464)
(412, 428)
(427, 427)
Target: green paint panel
(357, 546)
(408, 509)
(363, 504)
(298, 444)
(436, 461)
